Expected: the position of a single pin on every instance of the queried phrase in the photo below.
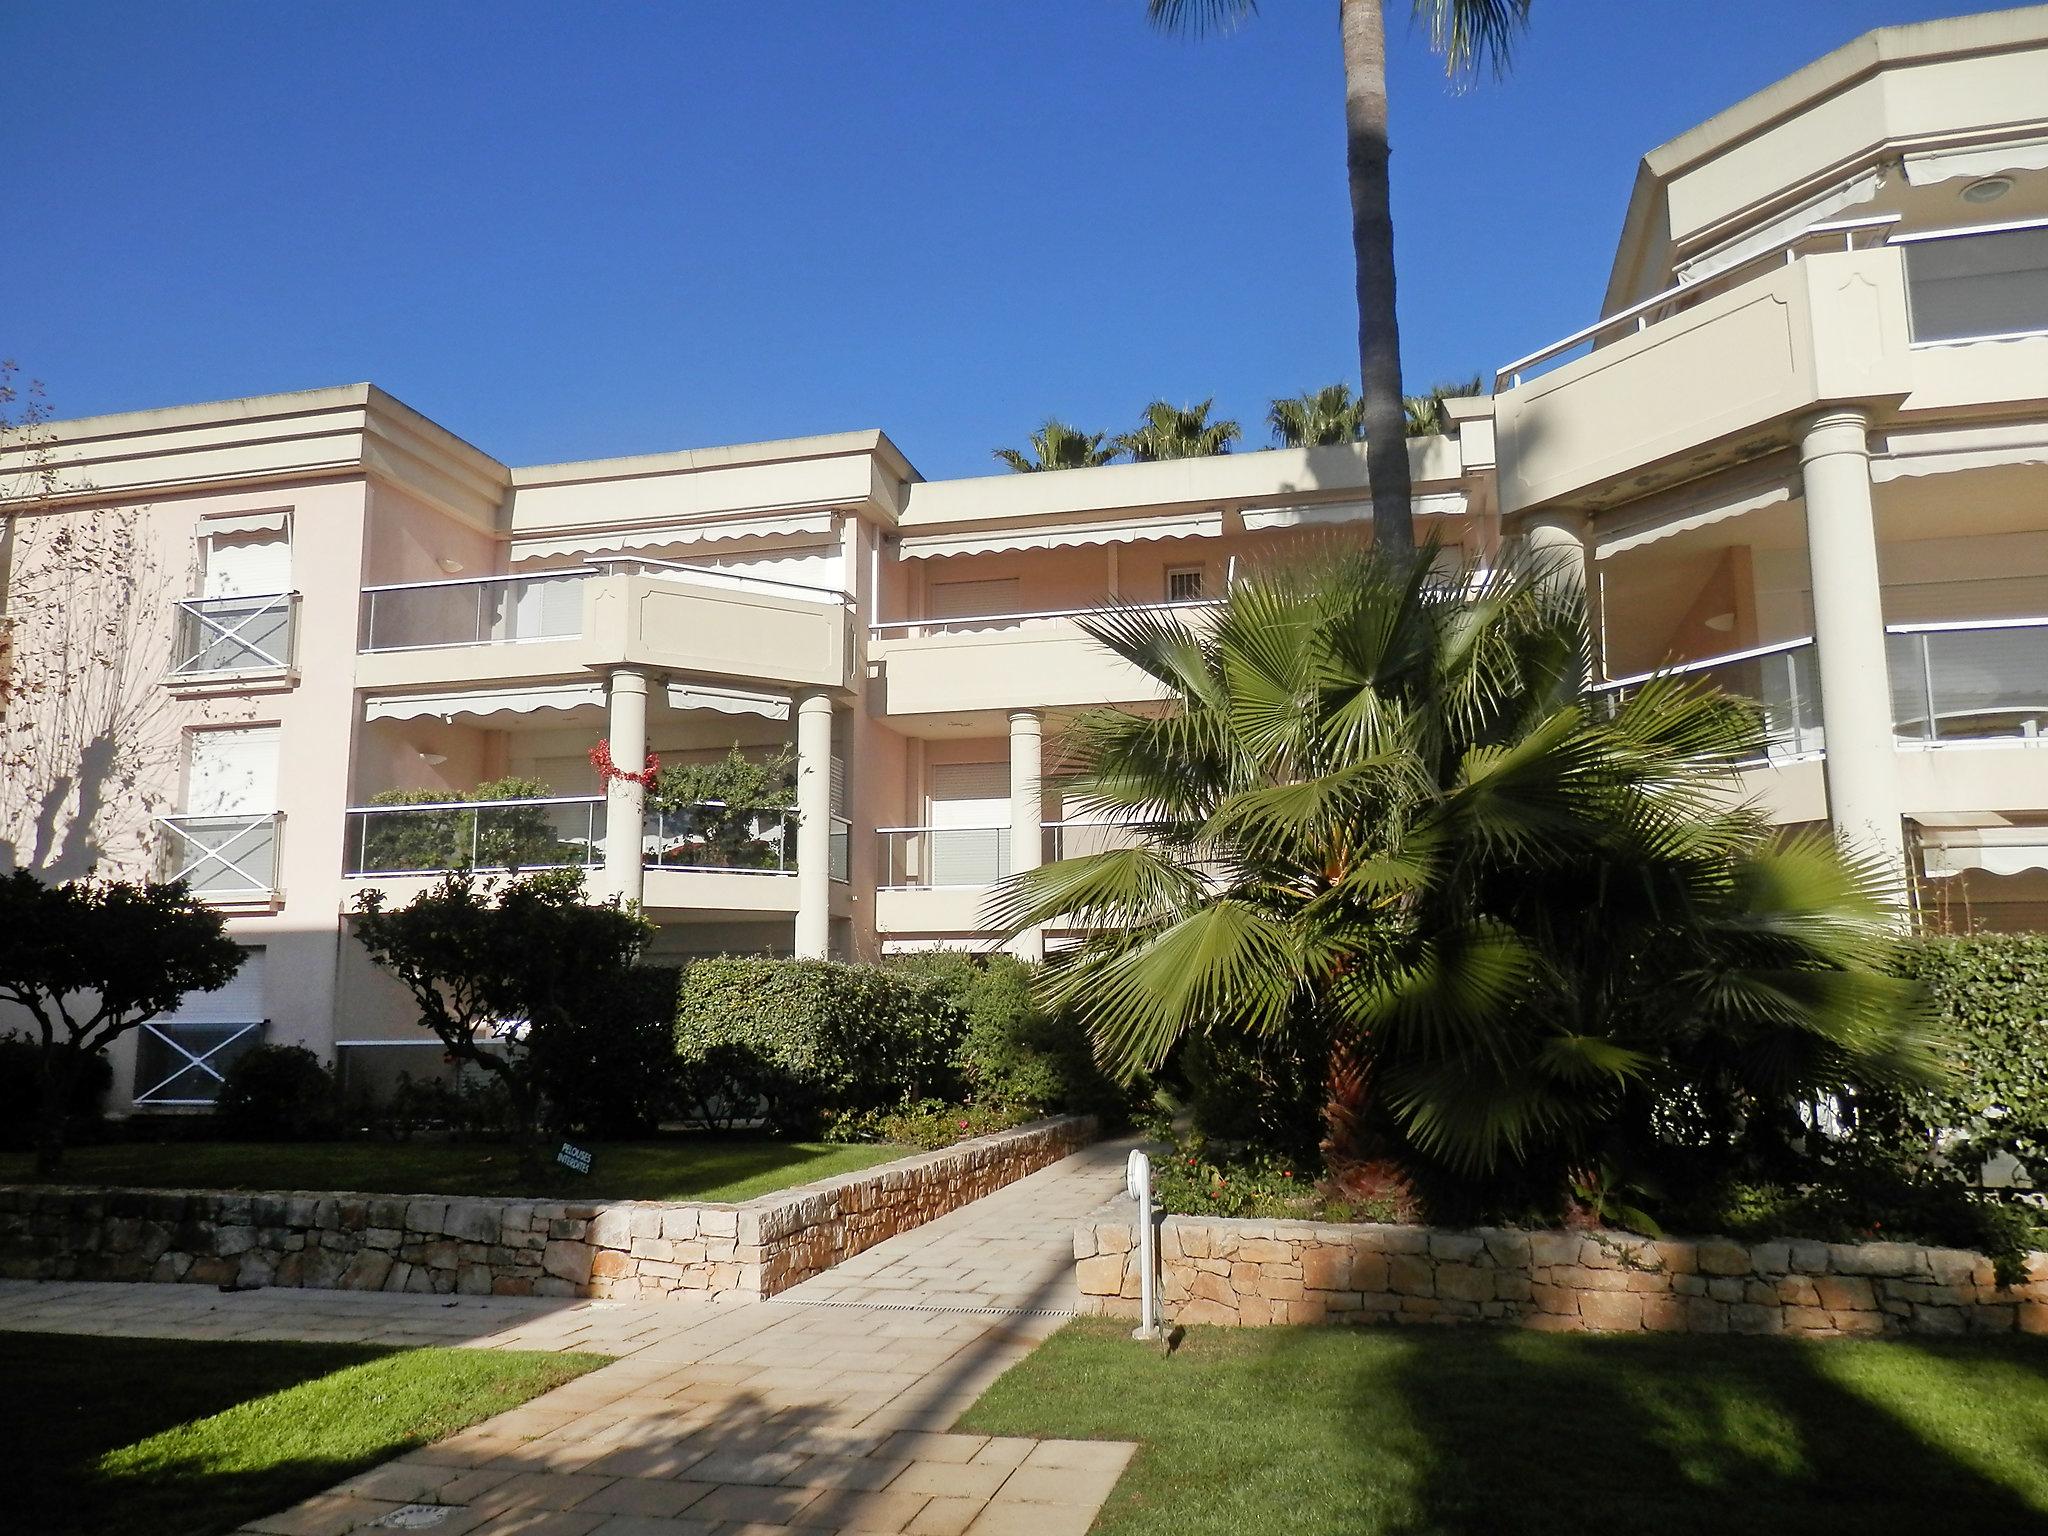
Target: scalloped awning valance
(818, 525)
(983, 541)
(482, 702)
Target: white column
(1027, 813)
(1848, 630)
(814, 825)
(625, 800)
(1560, 546)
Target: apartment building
(1803, 451)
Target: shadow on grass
(1545, 1433)
(121, 1437)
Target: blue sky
(568, 231)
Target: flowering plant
(607, 770)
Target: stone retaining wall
(1251, 1273)
(636, 1250)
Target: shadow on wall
(1543, 1433)
(87, 737)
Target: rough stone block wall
(444, 1245)
(1254, 1273)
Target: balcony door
(182, 1058)
(242, 620)
(225, 843)
(970, 823)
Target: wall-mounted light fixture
(433, 759)
(1988, 189)
(448, 565)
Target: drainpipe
(1138, 1183)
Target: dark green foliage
(608, 1067)
(728, 813)
(800, 1041)
(88, 961)
(278, 1093)
(20, 1100)
(500, 968)
(1991, 995)
(1014, 1052)
(928, 1123)
(1266, 1095)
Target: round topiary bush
(278, 1093)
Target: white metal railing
(720, 577)
(1969, 680)
(185, 1065)
(917, 628)
(1681, 296)
(235, 634)
(223, 857)
(474, 610)
(1983, 282)
(1781, 679)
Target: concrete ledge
(1257, 1273)
(443, 1244)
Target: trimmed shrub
(1014, 1053)
(1990, 995)
(610, 1070)
(798, 1042)
(278, 1093)
(21, 1099)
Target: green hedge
(1990, 995)
(808, 1041)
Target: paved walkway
(822, 1410)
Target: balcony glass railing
(235, 634)
(923, 858)
(1977, 284)
(223, 858)
(488, 610)
(564, 833)
(1972, 681)
(1782, 680)
(568, 832)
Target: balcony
(1984, 284)
(635, 612)
(1003, 661)
(226, 860)
(1708, 373)
(1782, 680)
(227, 639)
(185, 1066)
(960, 858)
(1982, 680)
(568, 832)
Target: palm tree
(1059, 446)
(1425, 413)
(1384, 827)
(1465, 33)
(1179, 433)
(1319, 418)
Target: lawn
(679, 1168)
(1377, 1432)
(168, 1437)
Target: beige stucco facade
(1804, 450)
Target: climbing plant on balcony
(728, 813)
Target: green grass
(1402, 1432)
(167, 1437)
(680, 1168)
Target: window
(1966, 286)
(241, 620)
(1184, 583)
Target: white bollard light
(1138, 1184)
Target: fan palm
(1059, 446)
(1184, 432)
(1425, 413)
(1319, 418)
(1466, 33)
(1382, 821)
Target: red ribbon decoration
(607, 770)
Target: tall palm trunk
(1372, 241)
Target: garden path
(822, 1410)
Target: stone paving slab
(823, 1410)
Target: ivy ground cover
(678, 1168)
(173, 1437)
(1329, 1432)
